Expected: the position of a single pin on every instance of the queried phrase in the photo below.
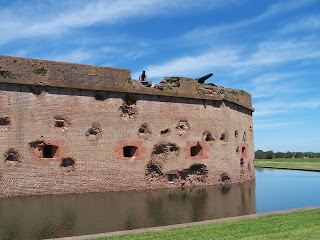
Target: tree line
(259, 154)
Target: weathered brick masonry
(68, 128)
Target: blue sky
(269, 48)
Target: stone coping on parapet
(183, 225)
(29, 71)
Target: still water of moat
(40, 217)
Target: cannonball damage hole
(61, 123)
(224, 137)
(94, 132)
(66, 162)
(196, 173)
(128, 109)
(4, 123)
(166, 131)
(238, 150)
(165, 148)
(244, 138)
(183, 126)
(207, 136)
(130, 151)
(224, 177)
(196, 150)
(144, 130)
(11, 155)
(241, 161)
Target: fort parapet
(68, 128)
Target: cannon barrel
(202, 79)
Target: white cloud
(278, 8)
(52, 18)
(272, 107)
(193, 65)
(307, 23)
(267, 54)
(75, 56)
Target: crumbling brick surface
(62, 117)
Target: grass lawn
(303, 163)
(295, 225)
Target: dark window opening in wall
(49, 151)
(129, 151)
(195, 150)
(243, 149)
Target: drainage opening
(129, 151)
(196, 151)
(48, 151)
(66, 162)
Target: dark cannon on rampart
(204, 78)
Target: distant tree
(298, 155)
(279, 155)
(288, 155)
(269, 154)
(259, 154)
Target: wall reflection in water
(41, 217)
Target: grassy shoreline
(294, 163)
(293, 225)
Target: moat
(39, 217)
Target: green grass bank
(295, 163)
(293, 225)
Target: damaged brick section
(224, 177)
(224, 137)
(165, 132)
(168, 83)
(144, 131)
(12, 157)
(197, 173)
(183, 127)
(94, 132)
(4, 123)
(207, 136)
(160, 154)
(61, 123)
(68, 164)
(128, 109)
